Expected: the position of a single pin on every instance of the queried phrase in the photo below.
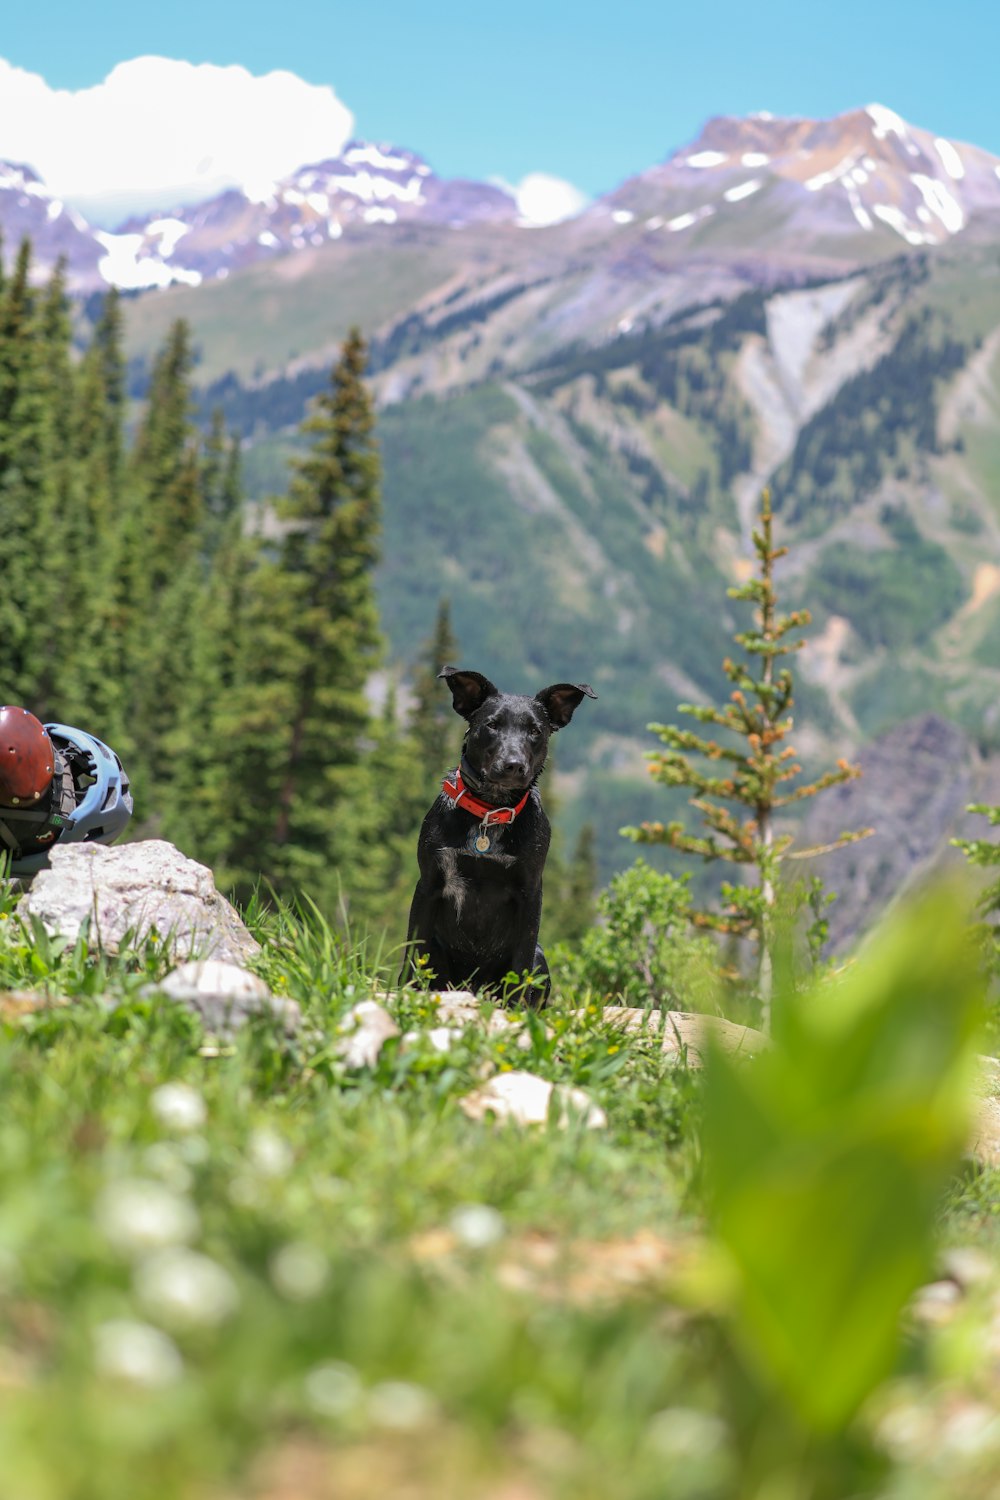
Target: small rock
(986, 1134)
(526, 1099)
(441, 1038)
(936, 1303)
(458, 1006)
(130, 891)
(368, 1026)
(16, 1004)
(224, 996)
(686, 1034)
(969, 1267)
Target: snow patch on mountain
(953, 164)
(702, 159)
(737, 194)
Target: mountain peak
(28, 210)
(368, 184)
(866, 172)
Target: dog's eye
(534, 734)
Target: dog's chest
(468, 872)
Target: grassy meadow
(241, 1269)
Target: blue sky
(591, 91)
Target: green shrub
(642, 952)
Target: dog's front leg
(420, 941)
(527, 957)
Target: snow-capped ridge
(368, 184)
(30, 210)
(867, 170)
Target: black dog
(478, 902)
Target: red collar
(455, 788)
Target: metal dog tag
(483, 842)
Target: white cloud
(160, 132)
(542, 199)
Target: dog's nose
(515, 768)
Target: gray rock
(134, 890)
(686, 1034)
(915, 784)
(224, 996)
(526, 1099)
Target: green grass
(178, 1294)
(223, 1260)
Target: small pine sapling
(741, 782)
(985, 854)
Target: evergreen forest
(231, 653)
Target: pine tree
(221, 483)
(99, 408)
(68, 557)
(750, 766)
(432, 718)
(27, 506)
(985, 855)
(206, 811)
(581, 885)
(94, 684)
(162, 573)
(167, 505)
(299, 720)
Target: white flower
(477, 1225)
(127, 1350)
(138, 1214)
(299, 1271)
(269, 1152)
(332, 1389)
(186, 1289)
(400, 1406)
(177, 1106)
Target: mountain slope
(576, 423)
(29, 211)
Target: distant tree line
(875, 424)
(683, 362)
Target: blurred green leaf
(826, 1159)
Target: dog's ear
(561, 699)
(469, 690)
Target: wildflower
(137, 1215)
(332, 1389)
(186, 1289)
(137, 1353)
(299, 1271)
(269, 1152)
(177, 1106)
(477, 1225)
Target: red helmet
(27, 761)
